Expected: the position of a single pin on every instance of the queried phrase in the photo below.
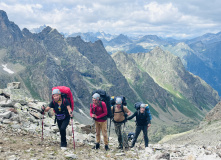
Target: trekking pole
(109, 130)
(42, 124)
(73, 131)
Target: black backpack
(105, 98)
(113, 100)
(147, 110)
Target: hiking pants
(101, 126)
(137, 132)
(62, 125)
(118, 127)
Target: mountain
(173, 94)
(199, 55)
(206, 134)
(46, 59)
(206, 38)
(39, 29)
(92, 37)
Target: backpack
(113, 100)
(105, 98)
(66, 94)
(147, 109)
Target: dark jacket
(142, 119)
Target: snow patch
(6, 69)
(84, 113)
(55, 58)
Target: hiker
(98, 111)
(142, 123)
(63, 113)
(120, 113)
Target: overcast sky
(165, 18)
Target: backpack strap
(101, 105)
(92, 108)
(122, 108)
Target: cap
(96, 96)
(56, 91)
(143, 105)
(118, 100)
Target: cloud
(164, 18)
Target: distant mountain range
(178, 99)
(200, 55)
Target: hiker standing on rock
(120, 113)
(143, 121)
(63, 113)
(98, 111)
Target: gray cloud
(179, 19)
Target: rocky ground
(17, 144)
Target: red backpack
(66, 93)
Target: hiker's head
(142, 107)
(56, 93)
(96, 98)
(118, 101)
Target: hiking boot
(107, 148)
(120, 147)
(97, 146)
(63, 144)
(127, 148)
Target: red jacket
(99, 111)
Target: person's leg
(125, 139)
(104, 133)
(98, 130)
(145, 136)
(119, 135)
(137, 132)
(62, 125)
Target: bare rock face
(214, 114)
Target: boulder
(14, 85)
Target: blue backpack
(147, 109)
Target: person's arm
(128, 112)
(69, 110)
(91, 110)
(104, 109)
(131, 117)
(46, 109)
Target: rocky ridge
(20, 123)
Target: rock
(73, 156)
(120, 154)
(5, 115)
(14, 85)
(6, 121)
(7, 103)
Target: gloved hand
(42, 109)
